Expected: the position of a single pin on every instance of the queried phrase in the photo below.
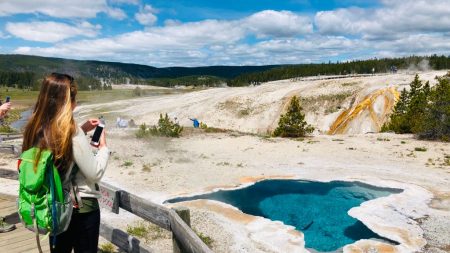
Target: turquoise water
(317, 209)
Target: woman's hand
(102, 141)
(90, 125)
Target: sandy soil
(160, 168)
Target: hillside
(115, 70)
(352, 105)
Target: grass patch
(147, 231)
(206, 239)
(383, 139)
(337, 140)
(27, 98)
(215, 130)
(411, 154)
(446, 160)
(349, 84)
(244, 112)
(420, 149)
(127, 163)
(139, 230)
(403, 142)
(146, 168)
(107, 248)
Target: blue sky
(200, 32)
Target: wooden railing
(185, 239)
(113, 198)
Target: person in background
(53, 127)
(195, 122)
(4, 226)
(4, 108)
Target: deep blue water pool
(317, 209)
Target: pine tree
(409, 111)
(292, 123)
(436, 121)
(398, 120)
(417, 104)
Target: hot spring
(317, 209)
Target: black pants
(81, 236)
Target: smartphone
(8, 98)
(97, 133)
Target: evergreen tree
(417, 104)
(398, 120)
(436, 121)
(409, 111)
(292, 123)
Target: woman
(53, 127)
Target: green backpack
(43, 205)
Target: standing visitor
(4, 226)
(52, 127)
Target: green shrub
(420, 149)
(165, 127)
(292, 123)
(143, 131)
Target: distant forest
(26, 72)
(342, 68)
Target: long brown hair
(51, 125)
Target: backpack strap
(74, 193)
(36, 230)
(53, 194)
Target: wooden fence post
(185, 215)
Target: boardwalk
(20, 239)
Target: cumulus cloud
(283, 37)
(59, 8)
(278, 24)
(116, 13)
(51, 31)
(395, 18)
(133, 2)
(146, 16)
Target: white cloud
(51, 31)
(146, 16)
(394, 19)
(278, 24)
(59, 8)
(283, 37)
(132, 2)
(116, 13)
